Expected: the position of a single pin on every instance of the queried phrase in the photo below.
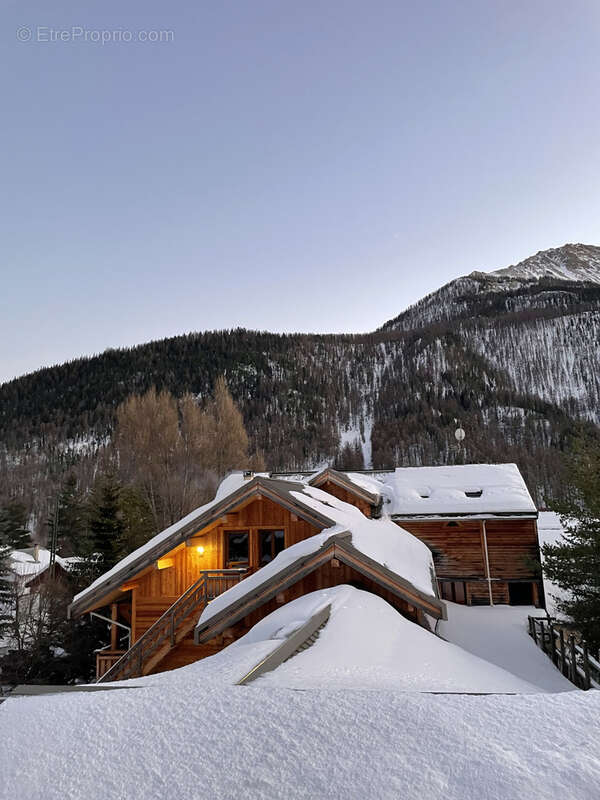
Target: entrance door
(520, 594)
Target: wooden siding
(458, 550)
(513, 548)
(157, 589)
(347, 497)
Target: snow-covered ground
(192, 733)
(499, 634)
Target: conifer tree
(13, 526)
(574, 564)
(70, 521)
(106, 521)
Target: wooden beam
(133, 613)
(114, 611)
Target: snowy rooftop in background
(459, 489)
(24, 563)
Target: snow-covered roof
(367, 644)
(381, 540)
(25, 565)
(233, 488)
(473, 489)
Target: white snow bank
(551, 531)
(191, 733)
(499, 634)
(382, 540)
(443, 490)
(367, 644)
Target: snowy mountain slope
(538, 322)
(514, 355)
(571, 262)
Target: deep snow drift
(192, 733)
(368, 645)
(499, 634)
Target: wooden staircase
(173, 629)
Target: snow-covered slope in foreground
(368, 645)
(192, 734)
(499, 635)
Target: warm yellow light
(200, 550)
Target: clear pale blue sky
(281, 165)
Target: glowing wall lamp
(200, 550)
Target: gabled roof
(345, 481)
(29, 563)
(294, 564)
(286, 493)
(460, 490)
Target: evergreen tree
(13, 526)
(70, 520)
(105, 521)
(574, 564)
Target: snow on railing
(569, 655)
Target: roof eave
(256, 486)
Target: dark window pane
(279, 541)
(270, 543)
(266, 546)
(237, 548)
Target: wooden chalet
(157, 593)
(164, 600)
(479, 522)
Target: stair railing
(209, 585)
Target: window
(453, 591)
(237, 548)
(270, 543)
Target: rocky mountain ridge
(513, 355)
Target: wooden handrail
(209, 585)
(567, 654)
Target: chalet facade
(479, 522)
(264, 541)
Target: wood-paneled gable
(347, 497)
(157, 589)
